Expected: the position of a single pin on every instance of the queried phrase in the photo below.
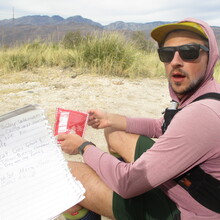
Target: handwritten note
(35, 182)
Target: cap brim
(159, 33)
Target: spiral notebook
(35, 181)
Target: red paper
(68, 121)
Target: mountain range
(28, 28)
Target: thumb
(61, 137)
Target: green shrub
(142, 42)
(72, 40)
(16, 62)
(106, 53)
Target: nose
(177, 60)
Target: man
(148, 184)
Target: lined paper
(35, 181)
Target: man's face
(184, 76)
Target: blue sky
(108, 11)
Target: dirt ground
(70, 89)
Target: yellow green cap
(159, 33)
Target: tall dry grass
(106, 54)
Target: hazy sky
(108, 11)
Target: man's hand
(70, 143)
(98, 119)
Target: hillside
(28, 28)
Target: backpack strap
(203, 187)
(169, 113)
(211, 95)
(168, 116)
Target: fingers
(92, 114)
(92, 111)
(93, 120)
(66, 143)
(69, 143)
(61, 137)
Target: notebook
(35, 181)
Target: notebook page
(35, 182)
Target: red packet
(68, 121)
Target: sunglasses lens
(166, 54)
(189, 52)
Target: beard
(190, 88)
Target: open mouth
(178, 76)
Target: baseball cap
(160, 33)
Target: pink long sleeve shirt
(192, 138)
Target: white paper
(35, 181)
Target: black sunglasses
(187, 52)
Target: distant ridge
(56, 19)
(28, 28)
(45, 20)
(132, 26)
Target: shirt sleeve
(190, 139)
(145, 126)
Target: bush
(72, 40)
(108, 53)
(142, 42)
(16, 62)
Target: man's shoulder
(202, 108)
(210, 103)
